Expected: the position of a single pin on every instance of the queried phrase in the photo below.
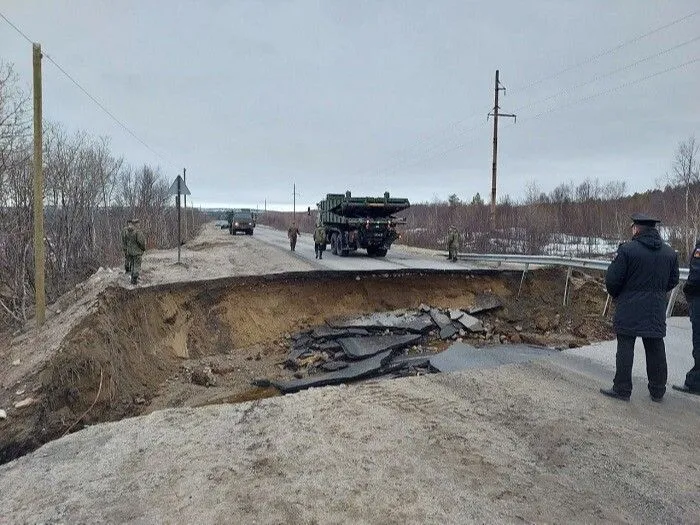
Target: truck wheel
(370, 251)
(381, 252)
(334, 243)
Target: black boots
(614, 394)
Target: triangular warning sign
(178, 186)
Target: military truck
(241, 221)
(352, 223)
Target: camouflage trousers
(134, 262)
(293, 242)
(452, 252)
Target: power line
(103, 108)
(97, 102)
(564, 106)
(13, 26)
(612, 90)
(609, 51)
(610, 73)
(434, 147)
(424, 141)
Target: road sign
(178, 187)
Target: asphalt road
(596, 360)
(599, 359)
(396, 259)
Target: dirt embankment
(136, 350)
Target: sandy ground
(527, 443)
(213, 254)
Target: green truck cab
(369, 223)
(241, 221)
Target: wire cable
(85, 91)
(564, 106)
(609, 74)
(13, 26)
(612, 90)
(608, 51)
(588, 60)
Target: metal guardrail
(546, 260)
(569, 262)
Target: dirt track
(527, 443)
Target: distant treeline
(588, 211)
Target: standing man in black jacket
(692, 295)
(638, 279)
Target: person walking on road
(319, 240)
(134, 245)
(644, 270)
(293, 233)
(452, 243)
(692, 295)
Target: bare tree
(685, 174)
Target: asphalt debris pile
(394, 344)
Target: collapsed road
(529, 441)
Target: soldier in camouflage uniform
(293, 233)
(134, 245)
(127, 268)
(452, 244)
(319, 240)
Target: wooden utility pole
(177, 202)
(184, 179)
(495, 115)
(39, 291)
(294, 202)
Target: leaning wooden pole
(39, 258)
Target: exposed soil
(136, 350)
(532, 442)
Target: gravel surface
(527, 443)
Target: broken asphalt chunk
(357, 370)
(335, 332)
(448, 331)
(397, 320)
(328, 346)
(455, 314)
(332, 366)
(484, 302)
(440, 319)
(471, 323)
(361, 347)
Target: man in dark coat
(692, 295)
(638, 279)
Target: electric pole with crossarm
(495, 116)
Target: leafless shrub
(88, 196)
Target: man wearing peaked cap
(644, 270)
(644, 220)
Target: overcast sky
(371, 96)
